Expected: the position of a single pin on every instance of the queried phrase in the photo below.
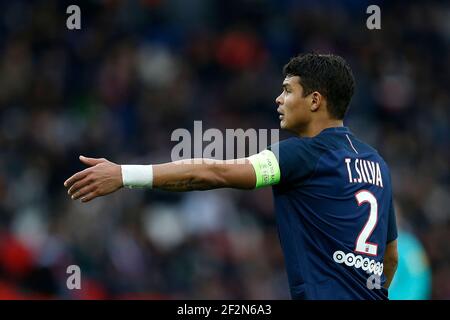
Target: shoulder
(293, 144)
(297, 157)
(307, 148)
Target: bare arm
(187, 175)
(104, 177)
(390, 262)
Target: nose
(279, 99)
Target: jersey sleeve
(297, 159)
(392, 224)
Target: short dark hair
(326, 73)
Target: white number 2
(362, 246)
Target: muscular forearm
(203, 174)
(187, 176)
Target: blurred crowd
(136, 71)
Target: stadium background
(136, 71)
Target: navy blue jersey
(334, 215)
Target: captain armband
(266, 168)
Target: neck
(315, 127)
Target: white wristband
(137, 176)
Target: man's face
(294, 109)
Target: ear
(316, 100)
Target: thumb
(91, 161)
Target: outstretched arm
(104, 177)
(204, 175)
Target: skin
(104, 177)
(390, 262)
(305, 116)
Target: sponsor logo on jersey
(358, 261)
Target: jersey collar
(336, 130)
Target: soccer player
(332, 192)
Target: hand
(101, 178)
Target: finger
(77, 176)
(91, 161)
(83, 191)
(90, 196)
(78, 185)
